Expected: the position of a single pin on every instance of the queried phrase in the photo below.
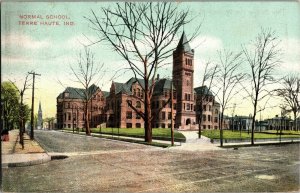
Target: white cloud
(206, 45)
(16, 40)
(79, 40)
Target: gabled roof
(184, 44)
(202, 90)
(133, 80)
(161, 85)
(121, 88)
(78, 93)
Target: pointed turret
(40, 117)
(184, 44)
(40, 107)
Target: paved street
(110, 166)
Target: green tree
(10, 97)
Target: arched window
(138, 104)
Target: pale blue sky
(50, 50)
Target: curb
(33, 161)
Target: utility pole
(32, 105)
(172, 124)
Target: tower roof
(40, 106)
(184, 44)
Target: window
(204, 126)
(69, 125)
(188, 106)
(216, 111)
(129, 102)
(138, 116)
(128, 115)
(203, 117)
(128, 125)
(138, 125)
(138, 104)
(138, 92)
(183, 106)
(204, 107)
(209, 107)
(209, 118)
(163, 115)
(166, 94)
(169, 115)
(208, 126)
(69, 116)
(216, 119)
(163, 125)
(134, 92)
(185, 97)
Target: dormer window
(66, 95)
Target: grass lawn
(286, 132)
(137, 132)
(228, 134)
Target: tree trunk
(148, 126)
(200, 122)
(87, 125)
(295, 121)
(221, 130)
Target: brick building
(112, 108)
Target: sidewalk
(193, 143)
(14, 156)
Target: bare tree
(227, 80)
(85, 73)
(203, 95)
(290, 94)
(142, 33)
(262, 59)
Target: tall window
(169, 115)
(138, 92)
(163, 115)
(128, 115)
(138, 104)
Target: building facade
(122, 106)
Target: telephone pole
(32, 105)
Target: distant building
(113, 108)
(277, 123)
(237, 123)
(40, 117)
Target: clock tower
(183, 79)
